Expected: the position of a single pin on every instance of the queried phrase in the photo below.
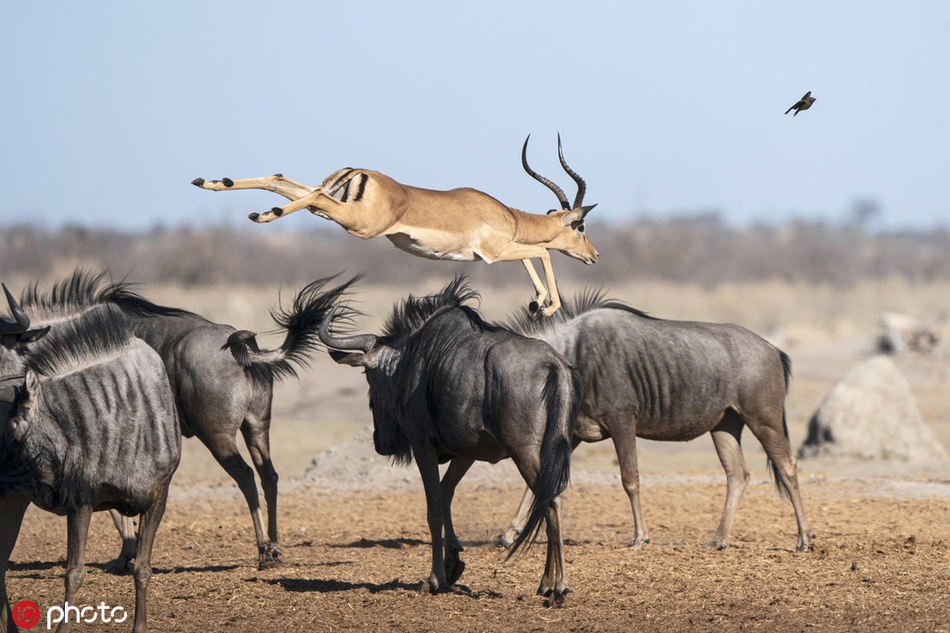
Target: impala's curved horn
(544, 181)
(21, 322)
(581, 185)
(362, 342)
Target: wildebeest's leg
(518, 520)
(225, 450)
(142, 571)
(625, 443)
(276, 184)
(126, 527)
(428, 465)
(727, 439)
(257, 438)
(554, 582)
(775, 442)
(12, 509)
(77, 531)
(453, 475)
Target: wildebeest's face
(380, 366)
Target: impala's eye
(578, 226)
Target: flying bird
(802, 104)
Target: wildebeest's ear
(354, 359)
(34, 335)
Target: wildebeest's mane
(410, 315)
(84, 289)
(79, 341)
(586, 300)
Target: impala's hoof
(254, 217)
(533, 307)
(198, 182)
(227, 182)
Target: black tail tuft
(555, 471)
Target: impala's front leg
(540, 292)
(555, 304)
(275, 184)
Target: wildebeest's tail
(561, 399)
(301, 321)
(776, 475)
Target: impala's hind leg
(727, 439)
(276, 184)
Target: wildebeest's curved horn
(581, 185)
(362, 342)
(22, 322)
(544, 181)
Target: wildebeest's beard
(389, 438)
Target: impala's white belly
(434, 244)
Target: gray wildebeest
(217, 393)
(460, 224)
(673, 381)
(445, 386)
(89, 425)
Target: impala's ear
(586, 210)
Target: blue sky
(110, 109)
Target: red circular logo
(26, 614)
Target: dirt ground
(354, 560)
(356, 546)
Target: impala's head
(571, 239)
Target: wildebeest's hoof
(508, 538)
(557, 598)
(122, 566)
(430, 585)
(269, 556)
(198, 182)
(637, 543)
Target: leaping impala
(460, 224)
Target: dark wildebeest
(217, 393)
(445, 386)
(89, 425)
(672, 381)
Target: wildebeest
(672, 381)
(89, 425)
(445, 386)
(216, 392)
